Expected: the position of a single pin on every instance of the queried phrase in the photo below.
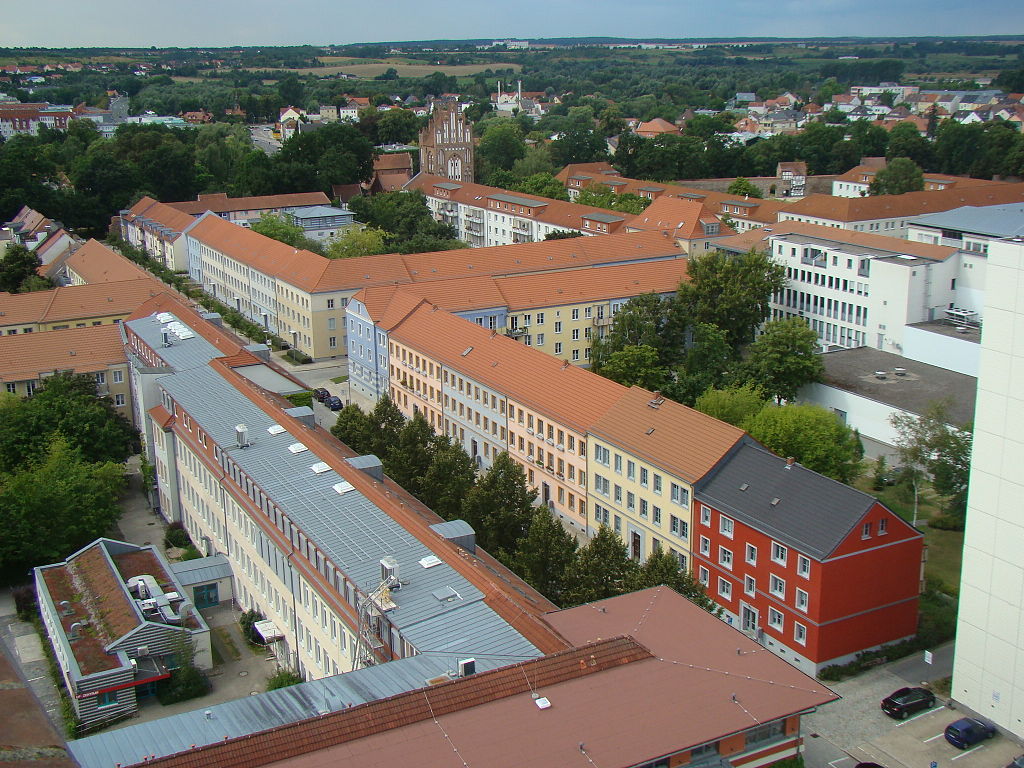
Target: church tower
(446, 144)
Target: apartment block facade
(159, 230)
(319, 541)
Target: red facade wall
(864, 595)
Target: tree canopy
(811, 435)
(783, 359)
(277, 227)
(18, 273)
(899, 176)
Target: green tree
(578, 145)
(67, 405)
(385, 424)
(662, 567)
(906, 141)
(545, 554)
(602, 569)
(398, 126)
(635, 365)
(743, 186)
(352, 427)
(277, 227)
(53, 505)
(705, 364)
(899, 176)
(733, 405)
(409, 457)
(811, 435)
(501, 145)
(500, 507)
(599, 196)
(929, 443)
(448, 480)
(536, 160)
(17, 266)
(783, 359)
(731, 292)
(641, 322)
(355, 242)
(542, 185)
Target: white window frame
(799, 633)
(777, 586)
(705, 546)
(749, 585)
(780, 553)
(705, 515)
(703, 575)
(725, 588)
(803, 566)
(726, 526)
(725, 557)
(750, 554)
(776, 619)
(803, 600)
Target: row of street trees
(61, 471)
(500, 506)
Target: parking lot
(855, 729)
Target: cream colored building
(988, 666)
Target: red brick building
(812, 569)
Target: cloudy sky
(59, 23)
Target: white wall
(868, 416)
(988, 670)
(949, 352)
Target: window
(618, 494)
(602, 455)
(725, 525)
(657, 483)
(540, 318)
(618, 464)
(705, 515)
(119, 400)
(865, 531)
(618, 524)
(331, 324)
(725, 588)
(883, 527)
(705, 545)
(101, 378)
(558, 326)
(803, 566)
(749, 585)
(680, 495)
(558, 347)
(576, 354)
(799, 633)
(802, 600)
(643, 509)
(725, 557)
(119, 379)
(630, 501)
(751, 556)
(575, 334)
(330, 303)
(703, 575)
(631, 470)
(656, 512)
(576, 314)
(332, 342)
(106, 698)
(766, 732)
(679, 527)
(540, 340)
(643, 477)
(778, 587)
(775, 620)
(779, 553)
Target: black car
(1017, 762)
(907, 701)
(321, 394)
(334, 403)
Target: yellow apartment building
(646, 455)
(74, 306)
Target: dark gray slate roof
(813, 513)
(610, 218)
(516, 200)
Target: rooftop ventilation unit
(900, 371)
(275, 429)
(297, 448)
(389, 572)
(343, 487)
(242, 436)
(880, 374)
(775, 502)
(320, 467)
(467, 667)
(430, 561)
(65, 608)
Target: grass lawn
(339, 379)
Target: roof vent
(880, 374)
(297, 448)
(744, 486)
(66, 609)
(775, 502)
(320, 467)
(73, 630)
(343, 487)
(242, 436)
(467, 667)
(900, 371)
(649, 431)
(466, 351)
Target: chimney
(790, 461)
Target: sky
(188, 23)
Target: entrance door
(205, 596)
(748, 617)
(634, 545)
(545, 493)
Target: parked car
(334, 403)
(1017, 762)
(968, 731)
(907, 701)
(320, 394)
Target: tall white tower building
(988, 671)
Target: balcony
(522, 226)
(601, 322)
(522, 237)
(515, 333)
(473, 226)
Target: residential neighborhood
(377, 402)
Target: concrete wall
(868, 416)
(949, 352)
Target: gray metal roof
(318, 211)
(202, 570)
(453, 528)
(447, 185)
(178, 733)
(993, 220)
(269, 379)
(349, 529)
(609, 218)
(813, 513)
(183, 354)
(853, 370)
(515, 200)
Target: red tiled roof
(77, 302)
(682, 218)
(393, 161)
(850, 209)
(499, 362)
(25, 356)
(96, 263)
(161, 213)
(221, 203)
